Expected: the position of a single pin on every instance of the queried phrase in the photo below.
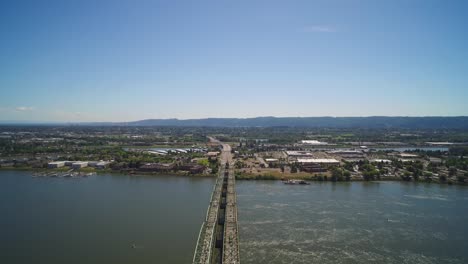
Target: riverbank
(327, 178)
(242, 176)
(107, 171)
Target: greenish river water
(100, 219)
(385, 222)
(156, 219)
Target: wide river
(100, 219)
(156, 219)
(380, 222)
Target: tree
(427, 176)
(348, 166)
(432, 168)
(416, 174)
(370, 175)
(452, 171)
(406, 176)
(337, 174)
(380, 165)
(293, 168)
(442, 178)
(239, 164)
(347, 175)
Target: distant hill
(460, 122)
(431, 122)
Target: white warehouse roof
(327, 161)
(313, 142)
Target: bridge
(218, 241)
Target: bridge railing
(231, 237)
(206, 236)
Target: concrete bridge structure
(218, 241)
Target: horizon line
(6, 122)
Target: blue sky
(128, 60)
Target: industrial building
(313, 142)
(193, 168)
(299, 154)
(56, 164)
(319, 161)
(79, 164)
(350, 155)
(99, 164)
(381, 160)
(157, 167)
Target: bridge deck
(231, 241)
(207, 245)
(206, 237)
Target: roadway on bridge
(218, 240)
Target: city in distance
(353, 193)
(227, 132)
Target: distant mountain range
(460, 122)
(431, 122)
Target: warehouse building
(56, 164)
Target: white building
(102, 164)
(295, 153)
(79, 164)
(381, 160)
(56, 164)
(313, 142)
(408, 156)
(92, 163)
(319, 161)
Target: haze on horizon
(121, 60)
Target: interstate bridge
(218, 241)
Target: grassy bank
(325, 178)
(105, 171)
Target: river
(380, 222)
(100, 219)
(156, 219)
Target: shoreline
(314, 178)
(109, 171)
(242, 177)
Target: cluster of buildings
(33, 162)
(306, 157)
(78, 164)
(162, 151)
(349, 155)
(192, 168)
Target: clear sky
(128, 60)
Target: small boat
(288, 181)
(294, 182)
